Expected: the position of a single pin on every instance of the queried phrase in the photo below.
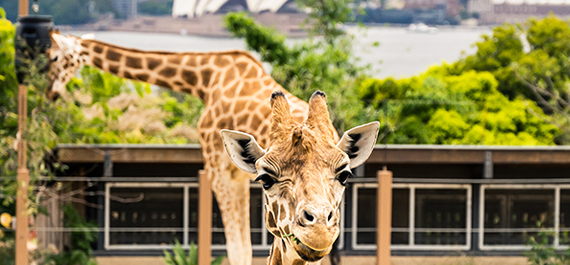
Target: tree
(325, 61)
(99, 108)
(540, 72)
(438, 107)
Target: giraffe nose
(313, 216)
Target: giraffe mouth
(307, 253)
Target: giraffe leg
(232, 194)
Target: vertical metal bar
(476, 225)
(556, 217)
(384, 217)
(481, 216)
(107, 164)
(107, 224)
(488, 165)
(23, 179)
(186, 213)
(468, 225)
(101, 215)
(412, 206)
(23, 8)
(204, 220)
(263, 225)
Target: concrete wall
(352, 260)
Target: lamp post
(34, 31)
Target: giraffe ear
(242, 149)
(359, 142)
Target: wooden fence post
(384, 217)
(204, 220)
(23, 179)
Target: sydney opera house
(196, 8)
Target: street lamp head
(32, 39)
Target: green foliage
(179, 257)
(437, 107)
(325, 61)
(543, 253)
(64, 12)
(155, 8)
(98, 108)
(539, 72)
(80, 251)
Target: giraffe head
(64, 59)
(303, 172)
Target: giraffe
(303, 172)
(235, 89)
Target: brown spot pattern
(221, 61)
(229, 76)
(264, 129)
(247, 90)
(241, 67)
(168, 72)
(174, 60)
(114, 69)
(252, 73)
(162, 83)
(230, 92)
(190, 77)
(226, 123)
(134, 62)
(207, 121)
(240, 105)
(127, 75)
(206, 75)
(255, 122)
(113, 56)
(153, 62)
(142, 77)
(205, 60)
(98, 49)
(201, 94)
(191, 62)
(216, 95)
(242, 119)
(98, 62)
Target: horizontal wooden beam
(125, 154)
(382, 154)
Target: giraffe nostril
(330, 217)
(308, 216)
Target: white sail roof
(183, 7)
(271, 5)
(193, 8)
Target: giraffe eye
(266, 180)
(54, 59)
(343, 177)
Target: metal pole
(23, 180)
(204, 220)
(23, 8)
(384, 217)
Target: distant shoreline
(211, 25)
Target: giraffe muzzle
(309, 254)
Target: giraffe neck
(194, 73)
(281, 254)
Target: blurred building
(196, 8)
(482, 203)
(126, 8)
(451, 7)
(514, 11)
